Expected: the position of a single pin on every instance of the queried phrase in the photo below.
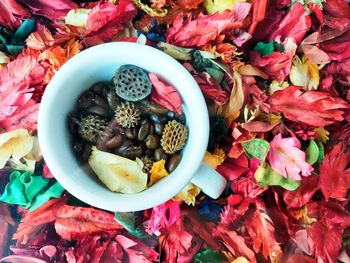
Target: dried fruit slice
(132, 83)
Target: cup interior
(99, 64)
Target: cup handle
(210, 181)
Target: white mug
(99, 63)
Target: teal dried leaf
(209, 256)
(23, 31)
(55, 191)
(22, 188)
(266, 176)
(14, 50)
(132, 223)
(266, 49)
(199, 62)
(256, 148)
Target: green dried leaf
(312, 152)
(321, 151)
(256, 148)
(215, 73)
(266, 176)
(209, 256)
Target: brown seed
(99, 87)
(112, 99)
(173, 162)
(130, 151)
(152, 141)
(130, 133)
(115, 141)
(158, 128)
(156, 108)
(158, 118)
(86, 100)
(98, 110)
(144, 131)
(159, 154)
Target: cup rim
(196, 145)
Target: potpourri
(275, 76)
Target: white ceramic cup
(99, 63)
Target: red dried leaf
(17, 109)
(277, 65)
(211, 89)
(106, 12)
(299, 197)
(5, 221)
(297, 258)
(261, 229)
(76, 222)
(137, 251)
(176, 242)
(33, 221)
(235, 243)
(334, 177)
(200, 31)
(232, 168)
(163, 216)
(338, 48)
(294, 25)
(54, 10)
(9, 10)
(165, 95)
(325, 242)
(314, 108)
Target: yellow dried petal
(16, 143)
(213, 6)
(214, 159)
(188, 194)
(276, 86)
(149, 10)
(240, 260)
(304, 73)
(119, 174)
(157, 172)
(322, 134)
(77, 17)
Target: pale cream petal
(119, 174)
(4, 156)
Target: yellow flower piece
(240, 260)
(3, 60)
(119, 174)
(214, 159)
(149, 10)
(302, 214)
(157, 172)
(16, 144)
(188, 194)
(213, 6)
(276, 86)
(304, 73)
(322, 134)
(77, 17)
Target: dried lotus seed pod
(132, 83)
(174, 137)
(127, 115)
(92, 127)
